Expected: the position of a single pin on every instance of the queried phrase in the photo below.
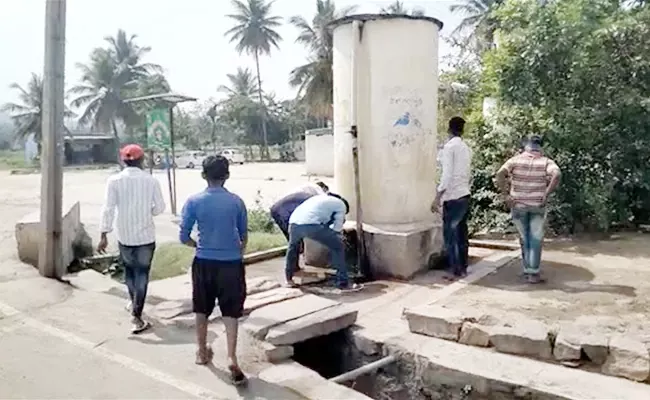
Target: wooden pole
(50, 252)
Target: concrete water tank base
(401, 252)
(396, 251)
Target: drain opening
(330, 355)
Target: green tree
(479, 23)
(242, 83)
(397, 7)
(255, 34)
(314, 80)
(113, 75)
(27, 115)
(577, 72)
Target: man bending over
(321, 219)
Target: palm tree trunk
(265, 145)
(117, 141)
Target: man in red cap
(137, 197)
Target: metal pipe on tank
(361, 244)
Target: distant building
(88, 147)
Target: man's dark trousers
(455, 214)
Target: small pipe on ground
(373, 366)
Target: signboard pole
(159, 137)
(171, 144)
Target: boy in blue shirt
(218, 272)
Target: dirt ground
(20, 194)
(604, 283)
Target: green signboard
(158, 129)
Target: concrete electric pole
(50, 252)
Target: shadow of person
(257, 389)
(567, 278)
(169, 335)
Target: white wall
(319, 152)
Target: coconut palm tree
(479, 21)
(254, 34)
(27, 115)
(314, 80)
(113, 75)
(242, 83)
(397, 7)
(101, 92)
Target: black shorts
(222, 281)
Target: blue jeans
(530, 221)
(456, 235)
(323, 235)
(137, 264)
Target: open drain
(392, 377)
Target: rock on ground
(596, 347)
(436, 321)
(526, 338)
(628, 358)
(567, 345)
(475, 335)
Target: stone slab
(261, 299)
(308, 383)
(450, 367)
(435, 321)
(276, 354)
(29, 235)
(260, 284)
(260, 321)
(567, 345)
(474, 335)
(596, 347)
(172, 309)
(525, 337)
(320, 323)
(628, 358)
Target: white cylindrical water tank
(397, 107)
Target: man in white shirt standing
(137, 197)
(453, 195)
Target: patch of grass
(12, 160)
(173, 259)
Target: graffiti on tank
(407, 119)
(411, 101)
(406, 129)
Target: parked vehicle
(190, 159)
(233, 156)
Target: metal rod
(50, 259)
(354, 104)
(373, 366)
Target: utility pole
(50, 252)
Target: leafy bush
(259, 218)
(577, 72)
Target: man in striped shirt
(137, 197)
(533, 177)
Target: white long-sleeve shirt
(137, 198)
(456, 159)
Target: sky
(186, 37)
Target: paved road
(58, 342)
